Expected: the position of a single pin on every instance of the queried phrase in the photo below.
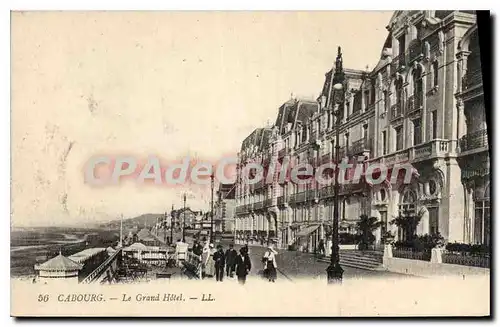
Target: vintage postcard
(257, 164)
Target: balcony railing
(268, 202)
(283, 152)
(326, 158)
(260, 184)
(359, 147)
(396, 110)
(398, 62)
(300, 197)
(326, 191)
(311, 194)
(475, 140)
(258, 205)
(241, 209)
(415, 50)
(471, 79)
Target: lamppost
(172, 225)
(212, 209)
(184, 221)
(334, 270)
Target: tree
(366, 226)
(408, 222)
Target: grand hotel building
(422, 103)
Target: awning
(306, 231)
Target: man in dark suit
(219, 259)
(231, 255)
(243, 266)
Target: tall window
(433, 220)
(399, 94)
(417, 131)
(434, 124)
(367, 99)
(399, 137)
(304, 133)
(365, 131)
(356, 106)
(435, 73)
(386, 101)
(417, 87)
(482, 218)
(384, 142)
(372, 92)
(346, 139)
(402, 45)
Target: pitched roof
(136, 246)
(59, 263)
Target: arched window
(417, 87)
(408, 204)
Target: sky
(164, 84)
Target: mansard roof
(294, 111)
(258, 138)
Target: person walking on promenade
(197, 248)
(230, 257)
(270, 263)
(321, 247)
(245, 248)
(243, 266)
(205, 256)
(219, 260)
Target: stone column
(461, 68)
(461, 128)
(451, 219)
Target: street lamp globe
(338, 86)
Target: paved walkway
(292, 264)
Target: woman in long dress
(209, 261)
(205, 255)
(270, 264)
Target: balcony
(396, 111)
(283, 152)
(311, 194)
(415, 50)
(433, 149)
(474, 140)
(342, 152)
(241, 209)
(398, 62)
(414, 103)
(300, 197)
(268, 202)
(259, 185)
(472, 79)
(326, 158)
(326, 192)
(258, 205)
(360, 147)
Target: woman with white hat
(270, 263)
(208, 255)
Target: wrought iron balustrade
(474, 140)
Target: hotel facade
(421, 104)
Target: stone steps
(369, 260)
